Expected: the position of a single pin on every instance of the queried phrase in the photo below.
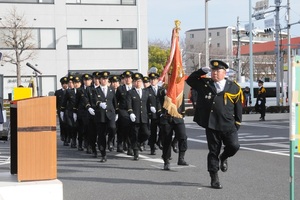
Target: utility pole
(251, 50)
(277, 50)
(238, 55)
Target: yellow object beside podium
(22, 93)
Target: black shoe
(215, 183)
(182, 162)
(167, 165)
(73, 146)
(262, 119)
(80, 148)
(95, 154)
(224, 164)
(103, 159)
(66, 144)
(136, 155)
(120, 151)
(129, 152)
(175, 149)
(158, 143)
(152, 152)
(89, 150)
(110, 148)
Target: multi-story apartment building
(77, 36)
(223, 43)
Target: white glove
(117, 117)
(259, 102)
(205, 69)
(75, 117)
(160, 83)
(132, 117)
(91, 111)
(61, 115)
(153, 110)
(103, 105)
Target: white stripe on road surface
(250, 149)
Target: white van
(271, 92)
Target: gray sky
(191, 13)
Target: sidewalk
(252, 117)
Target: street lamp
(206, 35)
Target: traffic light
(268, 30)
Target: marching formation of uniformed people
(100, 111)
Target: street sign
(247, 27)
(261, 5)
(296, 99)
(269, 23)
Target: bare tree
(17, 37)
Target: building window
(27, 1)
(105, 2)
(218, 44)
(102, 38)
(192, 35)
(40, 38)
(209, 34)
(218, 33)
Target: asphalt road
(260, 170)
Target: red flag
(173, 76)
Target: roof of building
(269, 47)
(214, 28)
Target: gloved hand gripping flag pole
(173, 76)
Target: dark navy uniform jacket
(154, 101)
(165, 118)
(218, 111)
(139, 106)
(111, 105)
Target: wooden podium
(33, 138)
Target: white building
(79, 36)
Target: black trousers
(180, 134)
(92, 134)
(124, 128)
(214, 142)
(103, 129)
(154, 126)
(139, 134)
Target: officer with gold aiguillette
(219, 111)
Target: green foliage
(158, 57)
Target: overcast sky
(191, 13)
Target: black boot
(80, 146)
(135, 154)
(174, 146)
(152, 151)
(110, 146)
(215, 183)
(94, 150)
(224, 164)
(181, 160)
(103, 157)
(73, 143)
(89, 149)
(120, 148)
(129, 152)
(166, 164)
